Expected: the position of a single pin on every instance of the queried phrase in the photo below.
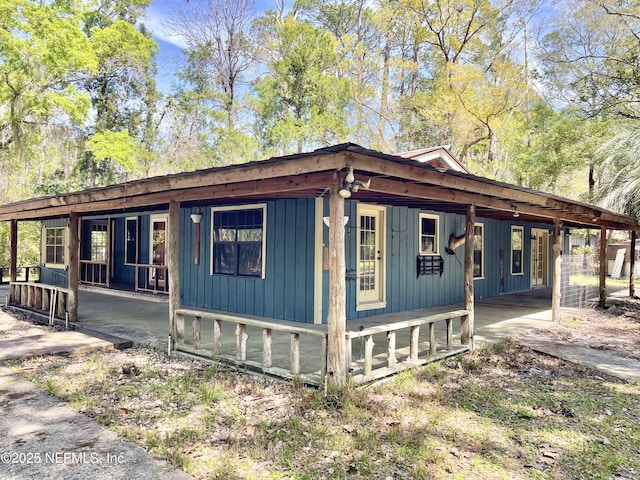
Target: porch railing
(40, 297)
(152, 278)
(295, 330)
(371, 367)
(94, 273)
(23, 274)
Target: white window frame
(437, 234)
(381, 301)
(482, 265)
(254, 206)
(65, 247)
(515, 228)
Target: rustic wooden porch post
(467, 321)
(603, 267)
(632, 265)
(13, 263)
(336, 320)
(557, 270)
(74, 267)
(173, 255)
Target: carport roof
(394, 181)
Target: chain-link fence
(580, 281)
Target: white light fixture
(326, 221)
(516, 214)
(350, 176)
(345, 190)
(196, 218)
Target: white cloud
(156, 20)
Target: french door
(539, 257)
(370, 265)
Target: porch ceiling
(394, 181)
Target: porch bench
(295, 329)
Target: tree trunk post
(603, 267)
(173, 263)
(632, 265)
(74, 267)
(467, 321)
(13, 263)
(557, 271)
(336, 320)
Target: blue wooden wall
(405, 291)
(48, 275)
(286, 292)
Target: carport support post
(466, 322)
(557, 270)
(173, 266)
(632, 265)
(74, 267)
(336, 320)
(603, 267)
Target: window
(517, 235)
(131, 241)
(478, 250)
(238, 241)
(429, 244)
(98, 243)
(54, 244)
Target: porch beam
(470, 183)
(603, 268)
(96, 201)
(484, 200)
(336, 320)
(557, 270)
(13, 263)
(74, 266)
(173, 271)
(467, 321)
(632, 265)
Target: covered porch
(298, 350)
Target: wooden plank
(178, 333)
(61, 308)
(414, 342)
(368, 354)
(433, 344)
(391, 349)
(449, 334)
(217, 337)
(196, 332)
(294, 356)
(336, 320)
(466, 321)
(557, 270)
(267, 359)
(24, 296)
(603, 268)
(172, 254)
(73, 274)
(241, 342)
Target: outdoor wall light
(516, 214)
(196, 218)
(350, 184)
(345, 190)
(325, 220)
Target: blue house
(305, 244)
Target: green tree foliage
(300, 101)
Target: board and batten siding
(404, 290)
(287, 290)
(48, 275)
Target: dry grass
(499, 412)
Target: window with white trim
(55, 240)
(517, 260)
(429, 228)
(99, 243)
(238, 246)
(478, 250)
